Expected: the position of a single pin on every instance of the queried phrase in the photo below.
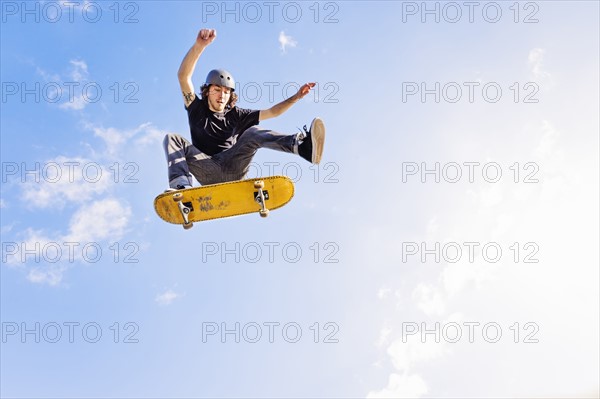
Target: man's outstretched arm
(188, 65)
(283, 106)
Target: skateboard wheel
(177, 197)
(264, 213)
(259, 184)
(188, 226)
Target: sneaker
(180, 183)
(169, 190)
(311, 146)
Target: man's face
(218, 97)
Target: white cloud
(101, 220)
(74, 4)
(79, 71)
(432, 226)
(547, 148)
(61, 180)
(50, 274)
(167, 297)
(30, 248)
(86, 181)
(503, 212)
(89, 184)
(64, 179)
(457, 277)
(429, 299)
(76, 103)
(5, 229)
(535, 60)
(383, 293)
(72, 95)
(487, 197)
(286, 41)
(115, 139)
(47, 76)
(149, 135)
(52, 255)
(384, 335)
(39, 250)
(415, 350)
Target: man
(225, 137)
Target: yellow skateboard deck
(221, 200)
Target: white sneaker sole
(317, 132)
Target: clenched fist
(206, 37)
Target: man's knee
(170, 137)
(250, 136)
(173, 140)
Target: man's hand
(283, 106)
(206, 37)
(304, 90)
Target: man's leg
(183, 158)
(235, 161)
(309, 143)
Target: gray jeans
(229, 165)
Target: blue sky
(446, 246)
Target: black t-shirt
(213, 132)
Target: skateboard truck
(184, 209)
(261, 196)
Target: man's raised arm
(283, 106)
(186, 70)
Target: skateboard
(222, 200)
